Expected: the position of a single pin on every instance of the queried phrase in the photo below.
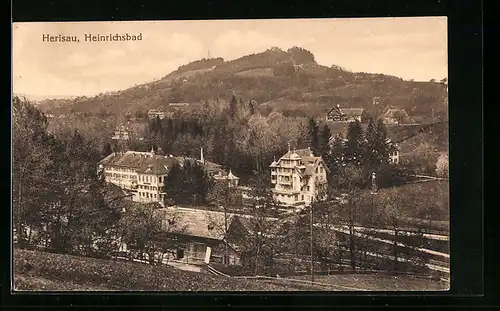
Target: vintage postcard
(231, 155)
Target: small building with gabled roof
(337, 114)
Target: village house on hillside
(121, 133)
(144, 173)
(396, 116)
(337, 114)
(157, 113)
(297, 177)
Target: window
(302, 197)
(155, 195)
(296, 198)
(159, 179)
(321, 169)
(308, 188)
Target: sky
(410, 48)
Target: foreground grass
(55, 272)
(378, 282)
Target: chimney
(202, 159)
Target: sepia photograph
(231, 155)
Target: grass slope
(55, 272)
(40, 271)
(376, 282)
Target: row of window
(120, 176)
(120, 169)
(150, 195)
(289, 170)
(288, 196)
(150, 188)
(146, 178)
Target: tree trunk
(257, 260)
(351, 248)
(395, 249)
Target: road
(343, 229)
(358, 234)
(390, 231)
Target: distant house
(121, 133)
(337, 114)
(396, 116)
(154, 113)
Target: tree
(313, 132)
(175, 184)
(377, 148)
(354, 147)
(221, 195)
(140, 225)
(442, 166)
(371, 140)
(324, 141)
(347, 187)
(392, 212)
(251, 107)
(259, 247)
(106, 150)
(233, 107)
(31, 161)
(423, 159)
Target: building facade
(144, 173)
(396, 116)
(337, 114)
(121, 133)
(153, 113)
(298, 177)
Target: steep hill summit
(275, 78)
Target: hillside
(275, 77)
(55, 272)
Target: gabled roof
(142, 162)
(199, 223)
(348, 112)
(305, 156)
(390, 113)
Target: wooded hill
(275, 79)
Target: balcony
(285, 191)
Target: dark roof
(391, 112)
(349, 112)
(142, 162)
(197, 223)
(307, 158)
